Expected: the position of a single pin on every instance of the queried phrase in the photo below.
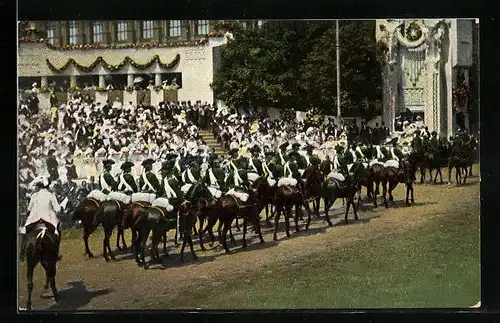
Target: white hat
(41, 180)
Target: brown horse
(86, 212)
(393, 176)
(285, 199)
(128, 220)
(157, 221)
(110, 215)
(313, 180)
(333, 189)
(231, 208)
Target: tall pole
(338, 66)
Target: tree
(360, 71)
(292, 64)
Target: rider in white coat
(43, 206)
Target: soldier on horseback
(127, 183)
(148, 181)
(106, 180)
(44, 207)
(170, 186)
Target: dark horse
(393, 176)
(333, 189)
(313, 179)
(159, 221)
(41, 247)
(110, 215)
(285, 198)
(86, 212)
(232, 208)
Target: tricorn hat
(296, 145)
(148, 162)
(127, 165)
(108, 162)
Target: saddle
(41, 224)
(164, 212)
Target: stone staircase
(212, 142)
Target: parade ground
(426, 255)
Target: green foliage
(292, 64)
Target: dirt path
(95, 284)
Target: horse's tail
(141, 217)
(39, 245)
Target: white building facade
(422, 61)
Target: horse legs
(470, 170)
(430, 173)
(407, 194)
(422, 175)
(411, 190)
(288, 213)
(52, 274)
(298, 211)
(318, 204)
(143, 240)
(243, 241)
(328, 205)
(465, 175)
(165, 241)
(225, 227)
(259, 231)
(189, 239)
(276, 221)
(105, 244)
(392, 186)
(135, 246)
(384, 192)
(458, 175)
(348, 206)
(237, 225)
(233, 240)
(86, 235)
(30, 269)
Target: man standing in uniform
(106, 180)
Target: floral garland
(413, 32)
(138, 45)
(114, 68)
(409, 42)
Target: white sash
(360, 152)
(281, 157)
(307, 160)
(287, 170)
(190, 176)
(336, 163)
(213, 179)
(104, 184)
(169, 191)
(253, 166)
(379, 152)
(146, 183)
(177, 165)
(393, 154)
(354, 158)
(123, 182)
(267, 170)
(183, 176)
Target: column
(73, 81)
(43, 82)
(158, 80)
(102, 81)
(130, 79)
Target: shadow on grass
(174, 260)
(76, 296)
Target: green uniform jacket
(152, 180)
(130, 180)
(110, 181)
(175, 185)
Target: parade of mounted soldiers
(158, 173)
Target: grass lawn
(437, 265)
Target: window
(121, 31)
(147, 29)
(51, 33)
(202, 27)
(174, 28)
(73, 33)
(97, 32)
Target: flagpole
(338, 66)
